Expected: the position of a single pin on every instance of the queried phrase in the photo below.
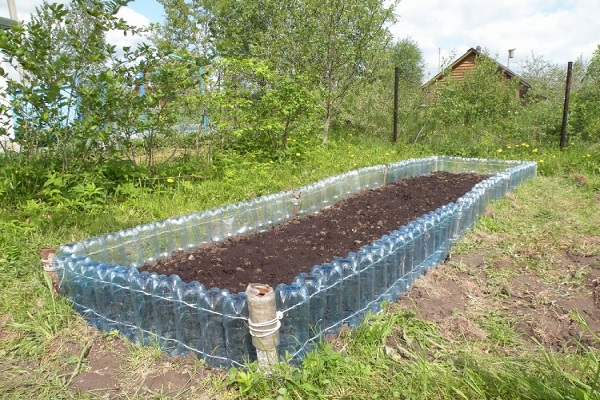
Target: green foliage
(484, 94)
(367, 107)
(323, 46)
(261, 110)
(585, 119)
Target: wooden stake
(263, 323)
(47, 254)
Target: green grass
(395, 355)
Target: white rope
(48, 267)
(256, 328)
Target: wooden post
(396, 85)
(563, 131)
(263, 323)
(47, 254)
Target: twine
(257, 326)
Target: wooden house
(465, 63)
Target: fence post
(263, 323)
(563, 131)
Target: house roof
(477, 53)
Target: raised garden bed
(100, 275)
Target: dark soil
(279, 254)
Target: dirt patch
(282, 252)
(115, 369)
(558, 307)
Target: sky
(556, 30)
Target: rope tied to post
(260, 330)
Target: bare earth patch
(541, 306)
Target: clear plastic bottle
(379, 275)
(114, 251)
(104, 306)
(351, 288)
(229, 219)
(367, 289)
(237, 335)
(386, 243)
(429, 233)
(444, 219)
(418, 247)
(138, 306)
(293, 301)
(88, 305)
(163, 306)
(164, 239)
(95, 248)
(74, 283)
(131, 246)
(411, 260)
(400, 253)
(213, 332)
(121, 302)
(148, 243)
(179, 233)
(188, 327)
(331, 279)
(246, 221)
(214, 226)
(316, 293)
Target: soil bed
(279, 254)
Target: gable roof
(476, 53)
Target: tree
(484, 94)
(368, 106)
(184, 30)
(331, 44)
(56, 50)
(585, 118)
(407, 55)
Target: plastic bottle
(246, 221)
(316, 293)
(164, 239)
(379, 274)
(386, 243)
(179, 233)
(367, 289)
(400, 252)
(284, 208)
(95, 248)
(229, 219)
(411, 259)
(74, 283)
(137, 304)
(148, 243)
(294, 332)
(418, 248)
(114, 251)
(188, 332)
(351, 288)
(121, 302)
(331, 280)
(444, 219)
(131, 247)
(104, 307)
(213, 332)
(237, 335)
(88, 304)
(164, 305)
(213, 224)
